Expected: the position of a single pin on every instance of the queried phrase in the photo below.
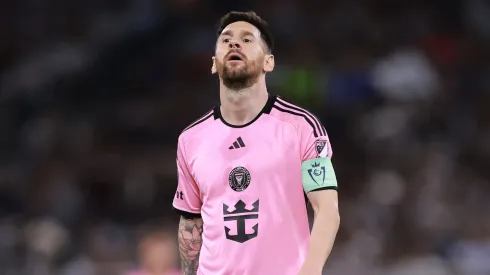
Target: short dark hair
(249, 17)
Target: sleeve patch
(318, 173)
(321, 147)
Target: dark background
(94, 93)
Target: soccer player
(244, 169)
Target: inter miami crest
(239, 179)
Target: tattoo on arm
(190, 241)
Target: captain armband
(318, 174)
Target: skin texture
(190, 242)
(325, 226)
(243, 90)
(242, 40)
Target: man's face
(240, 56)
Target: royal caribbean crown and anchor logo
(240, 215)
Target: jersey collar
(266, 110)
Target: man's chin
(235, 68)
(239, 76)
(235, 73)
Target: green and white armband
(318, 174)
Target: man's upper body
(248, 185)
(244, 169)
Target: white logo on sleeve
(321, 148)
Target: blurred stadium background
(94, 93)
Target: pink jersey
(246, 183)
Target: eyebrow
(243, 33)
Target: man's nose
(234, 45)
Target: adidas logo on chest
(237, 144)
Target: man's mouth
(234, 57)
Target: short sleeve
(317, 168)
(187, 198)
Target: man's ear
(213, 67)
(269, 63)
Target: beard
(239, 76)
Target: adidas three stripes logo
(237, 144)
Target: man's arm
(187, 202)
(325, 226)
(190, 241)
(320, 185)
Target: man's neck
(241, 107)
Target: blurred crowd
(93, 95)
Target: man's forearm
(325, 227)
(190, 242)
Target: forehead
(241, 27)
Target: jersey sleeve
(317, 169)
(187, 200)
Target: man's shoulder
(300, 117)
(198, 125)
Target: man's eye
(226, 40)
(246, 40)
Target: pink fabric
(275, 146)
